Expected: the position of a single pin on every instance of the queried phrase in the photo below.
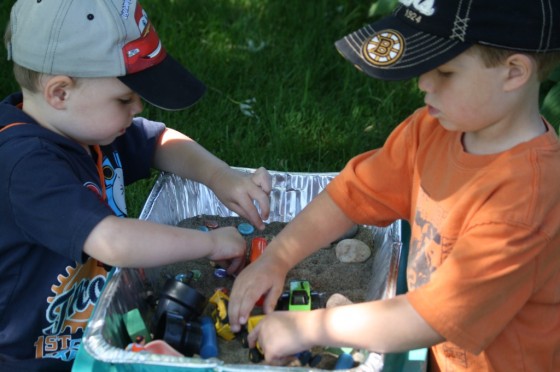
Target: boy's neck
(487, 143)
(519, 120)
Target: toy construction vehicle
(220, 316)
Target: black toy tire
(255, 355)
(244, 341)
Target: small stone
(337, 300)
(211, 224)
(359, 356)
(352, 250)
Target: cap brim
(167, 85)
(390, 49)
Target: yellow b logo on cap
(384, 48)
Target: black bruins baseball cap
(421, 35)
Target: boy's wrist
(215, 177)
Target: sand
(326, 274)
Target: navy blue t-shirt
(51, 200)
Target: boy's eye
(444, 73)
(125, 101)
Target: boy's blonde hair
(27, 79)
(546, 62)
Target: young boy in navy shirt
(69, 143)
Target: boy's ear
(520, 69)
(56, 91)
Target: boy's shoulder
(10, 111)
(13, 120)
(18, 127)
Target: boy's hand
(238, 191)
(259, 278)
(229, 249)
(281, 335)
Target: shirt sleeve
(374, 188)
(137, 148)
(51, 206)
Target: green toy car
(300, 296)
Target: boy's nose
(138, 105)
(425, 83)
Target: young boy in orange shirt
(475, 172)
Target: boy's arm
(316, 226)
(385, 326)
(181, 155)
(127, 242)
(382, 326)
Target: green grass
(311, 109)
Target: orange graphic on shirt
(75, 297)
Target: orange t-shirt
(484, 261)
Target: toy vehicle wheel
(315, 360)
(244, 341)
(255, 355)
(304, 357)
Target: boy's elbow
(102, 244)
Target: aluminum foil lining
(173, 199)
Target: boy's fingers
(269, 304)
(233, 311)
(240, 306)
(263, 179)
(252, 215)
(236, 320)
(264, 203)
(253, 336)
(236, 265)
